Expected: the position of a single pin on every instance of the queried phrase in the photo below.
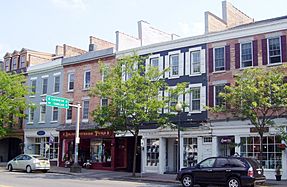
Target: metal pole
(77, 136)
(178, 142)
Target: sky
(42, 24)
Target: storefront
(96, 147)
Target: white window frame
(44, 78)
(53, 109)
(268, 52)
(241, 60)
(33, 93)
(192, 64)
(170, 64)
(102, 101)
(7, 65)
(69, 80)
(41, 110)
(56, 76)
(224, 60)
(22, 61)
(14, 63)
(69, 120)
(83, 111)
(191, 99)
(31, 121)
(214, 92)
(87, 85)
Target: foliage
(258, 95)
(134, 101)
(12, 100)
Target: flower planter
(278, 177)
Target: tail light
(250, 172)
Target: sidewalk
(117, 175)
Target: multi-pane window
(86, 109)
(46, 148)
(207, 139)
(195, 62)
(274, 50)
(219, 59)
(195, 99)
(246, 54)
(22, 61)
(42, 113)
(87, 79)
(7, 64)
(71, 80)
(189, 151)
(14, 61)
(31, 115)
(33, 86)
(152, 152)
(44, 85)
(154, 62)
(55, 114)
(272, 154)
(104, 102)
(69, 113)
(174, 64)
(56, 84)
(173, 101)
(219, 101)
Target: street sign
(59, 102)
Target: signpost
(61, 102)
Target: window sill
(41, 122)
(85, 120)
(43, 95)
(218, 72)
(243, 68)
(53, 121)
(173, 77)
(195, 74)
(30, 123)
(70, 91)
(86, 89)
(32, 96)
(275, 64)
(195, 112)
(69, 121)
(55, 93)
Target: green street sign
(59, 102)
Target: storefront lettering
(89, 134)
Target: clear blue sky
(42, 24)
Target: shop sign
(41, 133)
(83, 134)
(255, 130)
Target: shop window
(101, 151)
(189, 151)
(272, 155)
(152, 152)
(46, 148)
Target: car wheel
(187, 181)
(10, 168)
(233, 182)
(28, 169)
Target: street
(38, 179)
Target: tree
(12, 100)
(258, 95)
(133, 102)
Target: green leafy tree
(134, 102)
(12, 100)
(258, 95)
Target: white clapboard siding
(160, 64)
(167, 66)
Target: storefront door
(171, 155)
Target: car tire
(28, 169)
(233, 182)
(10, 167)
(187, 181)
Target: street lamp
(178, 108)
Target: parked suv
(229, 171)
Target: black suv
(229, 171)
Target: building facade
(40, 132)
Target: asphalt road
(38, 179)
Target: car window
(208, 163)
(20, 157)
(26, 157)
(221, 163)
(253, 162)
(236, 163)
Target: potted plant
(282, 146)
(278, 173)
